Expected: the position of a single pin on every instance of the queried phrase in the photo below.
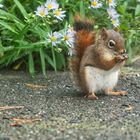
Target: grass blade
(21, 8)
(54, 59)
(5, 25)
(12, 17)
(43, 64)
(82, 9)
(49, 60)
(31, 64)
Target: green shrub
(23, 34)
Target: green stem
(54, 59)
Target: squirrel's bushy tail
(84, 37)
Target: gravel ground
(61, 111)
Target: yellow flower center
(109, 1)
(94, 3)
(57, 12)
(50, 6)
(113, 21)
(66, 37)
(42, 13)
(53, 38)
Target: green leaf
(124, 27)
(8, 16)
(10, 58)
(42, 58)
(5, 25)
(21, 8)
(60, 61)
(121, 10)
(31, 64)
(82, 9)
(137, 11)
(54, 59)
(70, 17)
(8, 48)
(49, 60)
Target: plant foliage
(23, 34)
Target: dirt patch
(62, 111)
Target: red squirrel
(97, 59)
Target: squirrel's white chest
(98, 79)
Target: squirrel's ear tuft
(116, 29)
(104, 33)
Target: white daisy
(1, 5)
(51, 4)
(112, 3)
(53, 38)
(68, 37)
(96, 4)
(112, 13)
(115, 22)
(41, 11)
(59, 14)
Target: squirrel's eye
(111, 44)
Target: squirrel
(96, 62)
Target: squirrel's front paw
(120, 58)
(91, 96)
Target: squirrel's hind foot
(110, 92)
(91, 96)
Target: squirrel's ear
(116, 29)
(104, 33)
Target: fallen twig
(129, 108)
(10, 107)
(33, 86)
(20, 122)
